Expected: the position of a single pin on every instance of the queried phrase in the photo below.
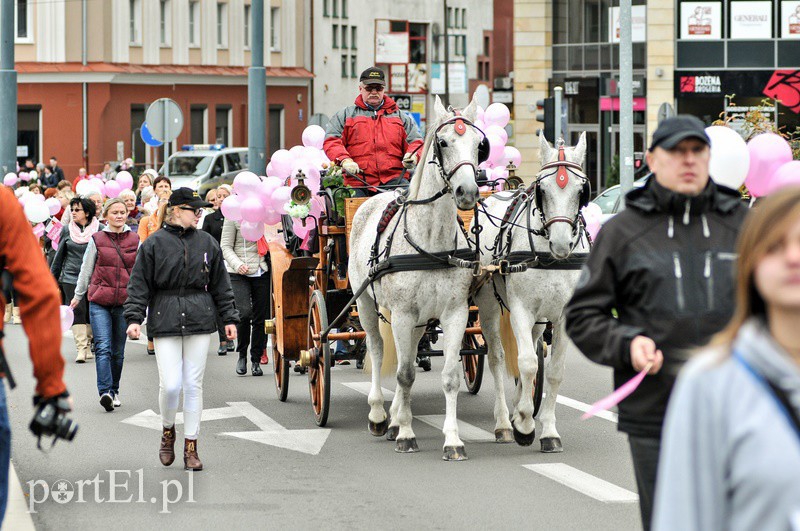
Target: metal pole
(625, 97)
(8, 90)
(446, 57)
(557, 112)
(257, 95)
(85, 87)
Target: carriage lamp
(269, 327)
(513, 181)
(301, 194)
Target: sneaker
(264, 358)
(117, 403)
(107, 401)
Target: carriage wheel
(473, 363)
(319, 373)
(538, 388)
(280, 365)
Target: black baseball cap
(672, 130)
(373, 75)
(187, 196)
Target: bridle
(563, 168)
(460, 124)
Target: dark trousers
(645, 451)
(252, 299)
(396, 183)
(81, 311)
(8, 288)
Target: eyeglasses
(77, 209)
(373, 88)
(197, 211)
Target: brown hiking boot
(167, 451)
(190, 459)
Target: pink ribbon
(619, 395)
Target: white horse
(538, 294)
(446, 174)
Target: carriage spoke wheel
(319, 373)
(473, 363)
(280, 365)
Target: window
(417, 43)
(326, 8)
(335, 35)
(275, 29)
(353, 39)
(234, 162)
(335, 8)
(135, 18)
(22, 16)
(464, 18)
(164, 21)
(344, 66)
(247, 35)
(222, 25)
(457, 21)
(449, 17)
(194, 23)
(353, 66)
(198, 124)
(223, 125)
(344, 8)
(344, 37)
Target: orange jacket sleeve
(39, 297)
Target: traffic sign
(164, 120)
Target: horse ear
(544, 148)
(471, 112)
(439, 108)
(580, 149)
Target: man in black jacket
(665, 265)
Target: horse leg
(550, 441)
(522, 421)
(378, 422)
(453, 324)
(489, 312)
(406, 338)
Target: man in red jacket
(372, 139)
(39, 301)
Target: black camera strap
(4, 368)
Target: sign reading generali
(701, 20)
(751, 20)
(790, 20)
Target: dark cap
(187, 196)
(373, 75)
(672, 130)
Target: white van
(203, 167)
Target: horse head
(562, 189)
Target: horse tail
(509, 343)
(389, 365)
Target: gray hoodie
(730, 456)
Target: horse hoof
(503, 436)
(378, 429)
(454, 453)
(391, 433)
(523, 439)
(406, 446)
(551, 445)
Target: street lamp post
(625, 97)
(8, 90)
(257, 94)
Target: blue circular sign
(147, 137)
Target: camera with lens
(51, 420)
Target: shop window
(788, 54)
(742, 54)
(335, 43)
(639, 54)
(701, 54)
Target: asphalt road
(261, 473)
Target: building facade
(195, 52)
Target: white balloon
(730, 158)
(36, 211)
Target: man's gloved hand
(350, 166)
(409, 161)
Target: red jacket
(39, 297)
(375, 140)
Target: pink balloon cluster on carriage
(261, 201)
(492, 122)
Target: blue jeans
(5, 450)
(109, 327)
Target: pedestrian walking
(212, 224)
(134, 215)
(731, 443)
(663, 265)
(107, 263)
(48, 178)
(82, 176)
(250, 281)
(180, 275)
(67, 264)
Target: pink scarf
(83, 236)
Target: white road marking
(364, 387)
(17, 516)
(580, 406)
(151, 419)
(466, 431)
(584, 483)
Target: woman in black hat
(180, 275)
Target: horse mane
(416, 179)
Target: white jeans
(181, 365)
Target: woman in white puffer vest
(250, 280)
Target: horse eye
(442, 143)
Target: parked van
(203, 167)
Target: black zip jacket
(665, 264)
(180, 275)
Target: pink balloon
(593, 228)
(252, 209)
(231, 208)
(125, 180)
(788, 175)
(480, 124)
(497, 130)
(768, 152)
(271, 170)
(280, 197)
(282, 162)
(67, 317)
(272, 217)
(496, 147)
(511, 154)
(314, 136)
(252, 231)
(24, 176)
(302, 230)
(246, 183)
(297, 152)
(54, 205)
(270, 184)
(112, 189)
(496, 114)
(10, 179)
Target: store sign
(751, 20)
(701, 20)
(701, 85)
(784, 85)
(403, 101)
(790, 20)
(390, 47)
(572, 88)
(638, 24)
(503, 96)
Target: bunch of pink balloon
(492, 122)
(593, 216)
(771, 165)
(10, 179)
(256, 202)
